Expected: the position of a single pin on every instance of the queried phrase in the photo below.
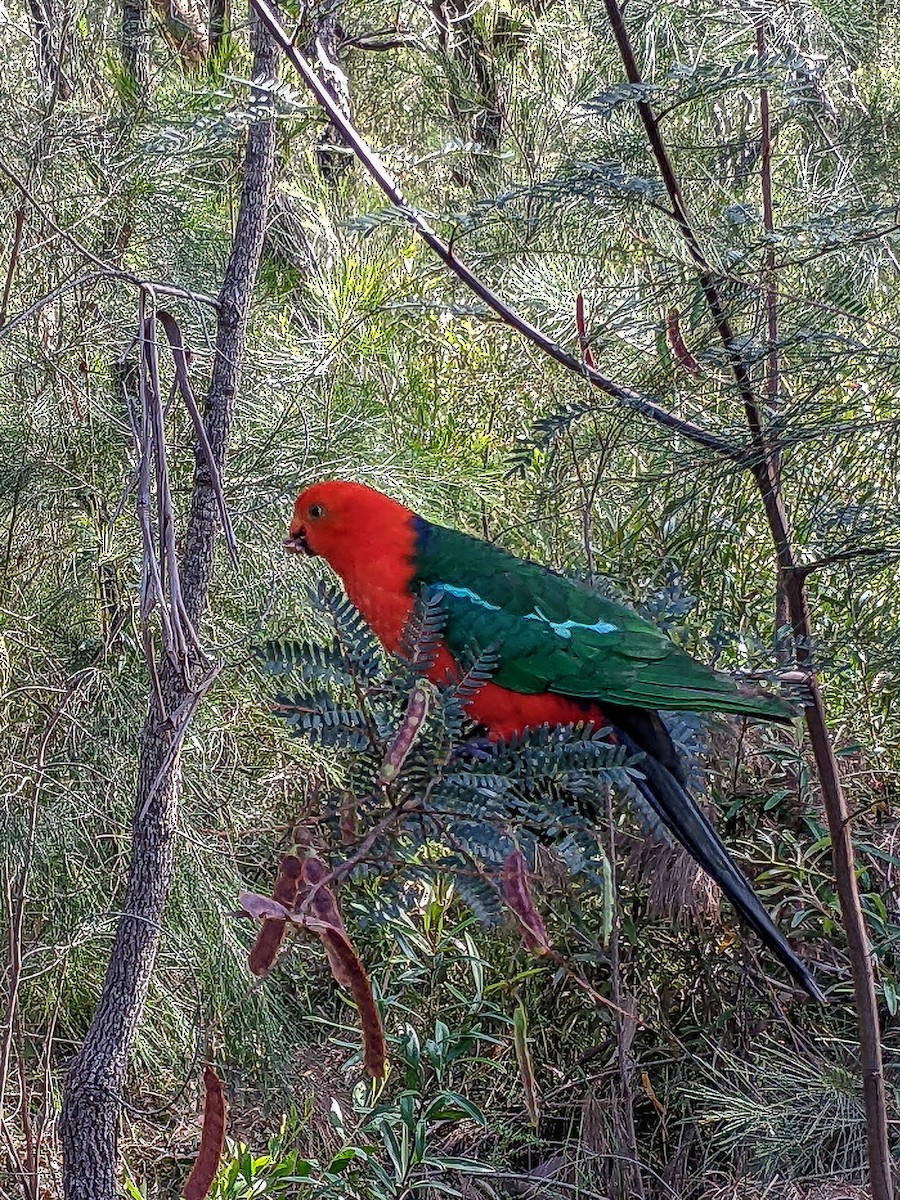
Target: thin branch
(372, 162)
(765, 468)
(150, 285)
(105, 269)
(805, 569)
(679, 213)
(18, 229)
(183, 382)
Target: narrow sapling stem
(765, 467)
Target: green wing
(552, 635)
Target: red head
(349, 524)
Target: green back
(553, 636)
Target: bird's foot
(476, 749)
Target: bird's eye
(316, 511)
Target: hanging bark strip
(93, 1089)
(212, 1139)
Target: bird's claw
(478, 749)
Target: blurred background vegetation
(509, 124)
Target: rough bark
(185, 26)
(136, 44)
(474, 95)
(52, 23)
(334, 158)
(96, 1077)
(218, 20)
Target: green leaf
(398, 1159)
(890, 995)
(466, 1166)
(451, 1106)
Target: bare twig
(113, 273)
(624, 1025)
(805, 569)
(13, 261)
(783, 649)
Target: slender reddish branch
(765, 468)
(783, 649)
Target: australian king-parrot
(565, 654)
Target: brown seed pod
(351, 974)
(348, 819)
(516, 892)
(680, 352)
(265, 949)
(343, 960)
(323, 906)
(419, 705)
(212, 1139)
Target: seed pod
(680, 352)
(419, 705)
(265, 949)
(349, 830)
(212, 1139)
(516, 892)
(323, 906)
(259, 907)
(349, 972)
(343, 960)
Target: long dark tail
(681, 815)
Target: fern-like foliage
(474, 799)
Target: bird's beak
(296, 543)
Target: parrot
(563, 655)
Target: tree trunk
(218, 18)
(474, 94)
(334, 158)
(93, 1089)
(52, 22)
(185, 26)
(136, 44)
